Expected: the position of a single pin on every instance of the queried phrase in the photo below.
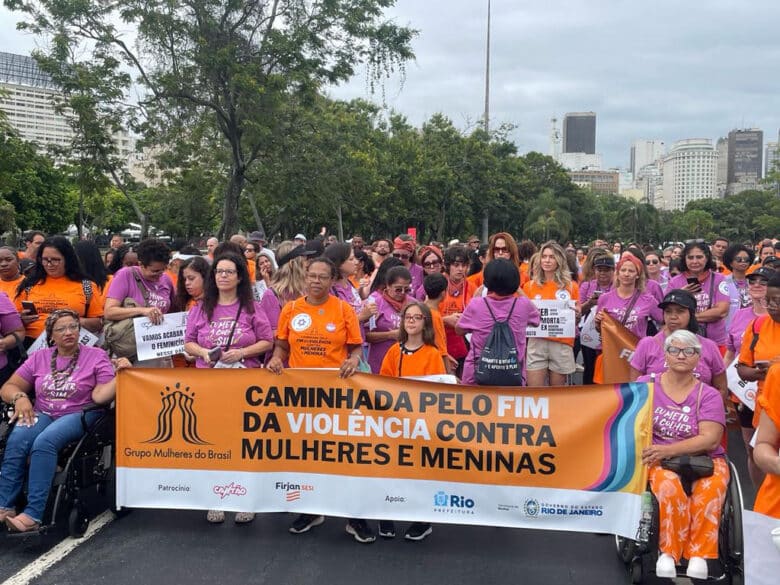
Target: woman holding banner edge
(320, 330)
(228, 329)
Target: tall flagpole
(486, 214)
(487, 74)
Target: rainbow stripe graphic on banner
(623, 469)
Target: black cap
(257, 236)
(679, 297)
(607, 261)
(762, 272)
(296, 252)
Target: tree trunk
(485, 226)
(79, 227)
(230, 209)
(341, 224)
(142, 219)
(255, 213)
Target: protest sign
(557, 319)
(85, 338)
(163, 340)
(376, 447)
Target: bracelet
(242, 355)
(17, 396)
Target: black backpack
(499, 364)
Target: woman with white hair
(688, 419)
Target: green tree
(235, 62)
(35, 189)
(549, 218)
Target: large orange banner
(252, 424)
(617, 349)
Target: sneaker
(697, 568)
(244, 517)
(418, 531)
(305, 522)
(579, 368)
(360, 530)
(387, 529)
(665, 567)
(215, 517)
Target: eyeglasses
(742, 260)
(318, 277)
(64, 328)
(433, 264)
(401, 289)
(401, 256)
(51, 261)
(757, 282)
(225, 272)
(652, 262)
(413, 318)
(686, 351)
(500, 250)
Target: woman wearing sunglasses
(656, 271)
(737, 258)
(432, 262)
(688, 419)
(382, 328)
(404, 250)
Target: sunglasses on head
(401, 256)
(696, 241)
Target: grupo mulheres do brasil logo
(172, 401)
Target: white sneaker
(697, 568)
(665, 567)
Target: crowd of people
(395, 308)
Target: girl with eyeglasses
(415, 354)
(432, 262)
(383, 327)
(58, 282)
(688, 419)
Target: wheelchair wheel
(626, 549)
(78, 521)
(730, 539)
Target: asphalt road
(171, 547)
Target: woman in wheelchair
(688, 419)
(64, 379)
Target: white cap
(299, 237)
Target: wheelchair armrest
(85, 410)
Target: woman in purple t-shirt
(628, 303)
(383, 326)
(688, 419)
(502, 279)
(679, 308)
(64, 379)
(708, 287)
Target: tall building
(689, 173)
(722, 175)
(772, 157)
(579, 132)
(745, 160)
(650, 180)
(643, 153)
(579, 161)
(28, 102)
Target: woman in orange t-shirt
(320, 331)
(10, 274)
(415, 354)
(551, 281)
(765, 452)
(57, 282)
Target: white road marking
(54, 555)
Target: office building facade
(689, 173)
(579, 132)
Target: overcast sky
(658, 70)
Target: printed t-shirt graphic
(720, 293)
(59, 293)
(251, 328)
(318, 334)
(650, 358)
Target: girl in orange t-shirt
(415, 354)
